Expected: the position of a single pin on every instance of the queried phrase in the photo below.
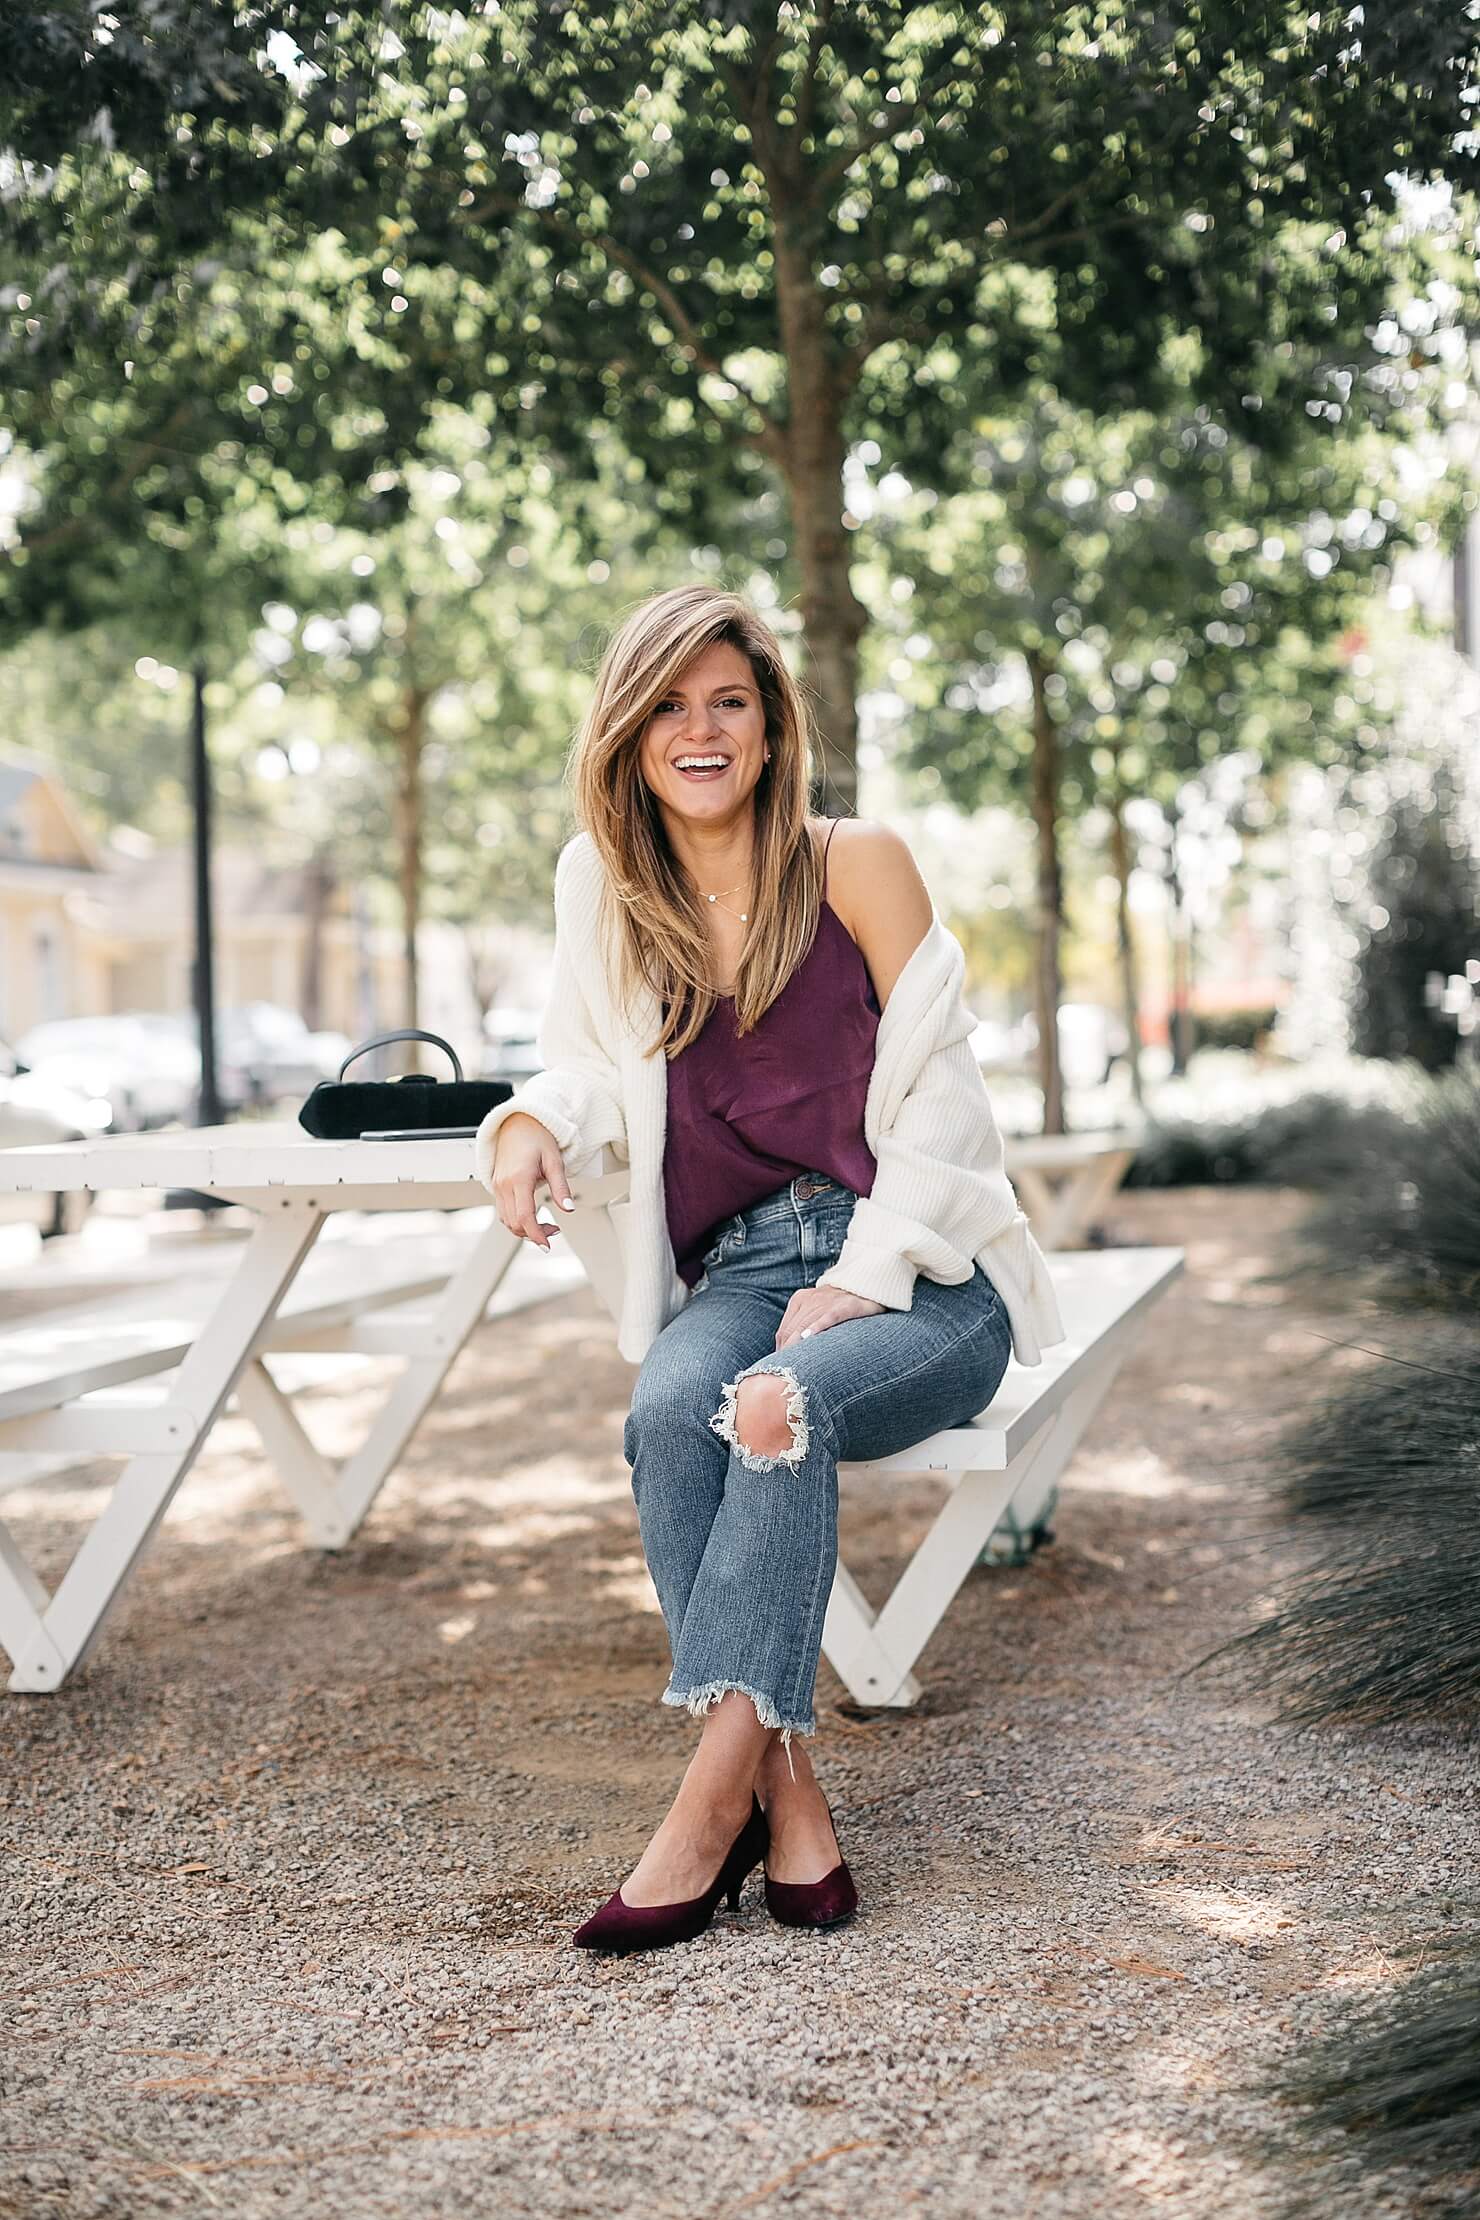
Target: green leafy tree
(114, 735)
(746, 237)
(1119, 604)
(442, 647)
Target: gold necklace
(743, 915)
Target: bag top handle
(407, 1033)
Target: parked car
(267, 1054)
(144, 1066)
(510, 1046)
(33, 1111)
(1092, 1041)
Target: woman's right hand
(524, 1153)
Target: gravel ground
(294, 1860)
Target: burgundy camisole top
(746, 1115)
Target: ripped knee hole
(772, 1429)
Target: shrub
(1403, 1194)
(1243, 1029)
(1402, 2072)
(1423, 916)
(1313, 1140)
(1383, 1621)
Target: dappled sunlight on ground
(1239, 1919)
(1133, 1473)
(629, 1581)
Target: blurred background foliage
(1067, 384)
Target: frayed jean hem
(699, 1702)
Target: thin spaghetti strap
(832, 828)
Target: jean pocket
(731, 1235)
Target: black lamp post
(208, 1111)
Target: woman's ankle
(779, 1781)
(707, 1801)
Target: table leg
(458, 1310)
(1085, 1195)
(1062, 1205)
(47, 1639)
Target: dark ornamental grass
(1381, 1483)
(1378, 1491)
(1400, 1196)
(1401, 2074)
(1396, 1182)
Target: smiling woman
(763, 1012)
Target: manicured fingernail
(566, 1203)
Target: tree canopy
(741, 237)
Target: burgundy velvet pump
(622, 1927)
(824, 1903)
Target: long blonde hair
(655, 926)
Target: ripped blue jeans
(742, 1546)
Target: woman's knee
(667, 1399)
(764, 1414)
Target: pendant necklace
(743, 915)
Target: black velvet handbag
(343, 1110)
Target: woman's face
(713, 710)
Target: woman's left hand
(813, 1309)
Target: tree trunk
(810, 454)
(1179, 1025)
(833, 617)
(1048, 980)
(318, 888)
(410, 733)
(1130, 999)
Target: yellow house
(284, 933)
(90, 933)
(48, 868)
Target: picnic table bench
(1064, 1180)
(145, 1376)
(1011, 1455)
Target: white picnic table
(90, 1381)
(147, 1380)
(1064, 1180)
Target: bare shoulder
(875, 885)
(871, 866)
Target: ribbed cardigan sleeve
(940, 1191)
(941, 1200)
(578, 1094)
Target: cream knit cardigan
(941, 1200)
